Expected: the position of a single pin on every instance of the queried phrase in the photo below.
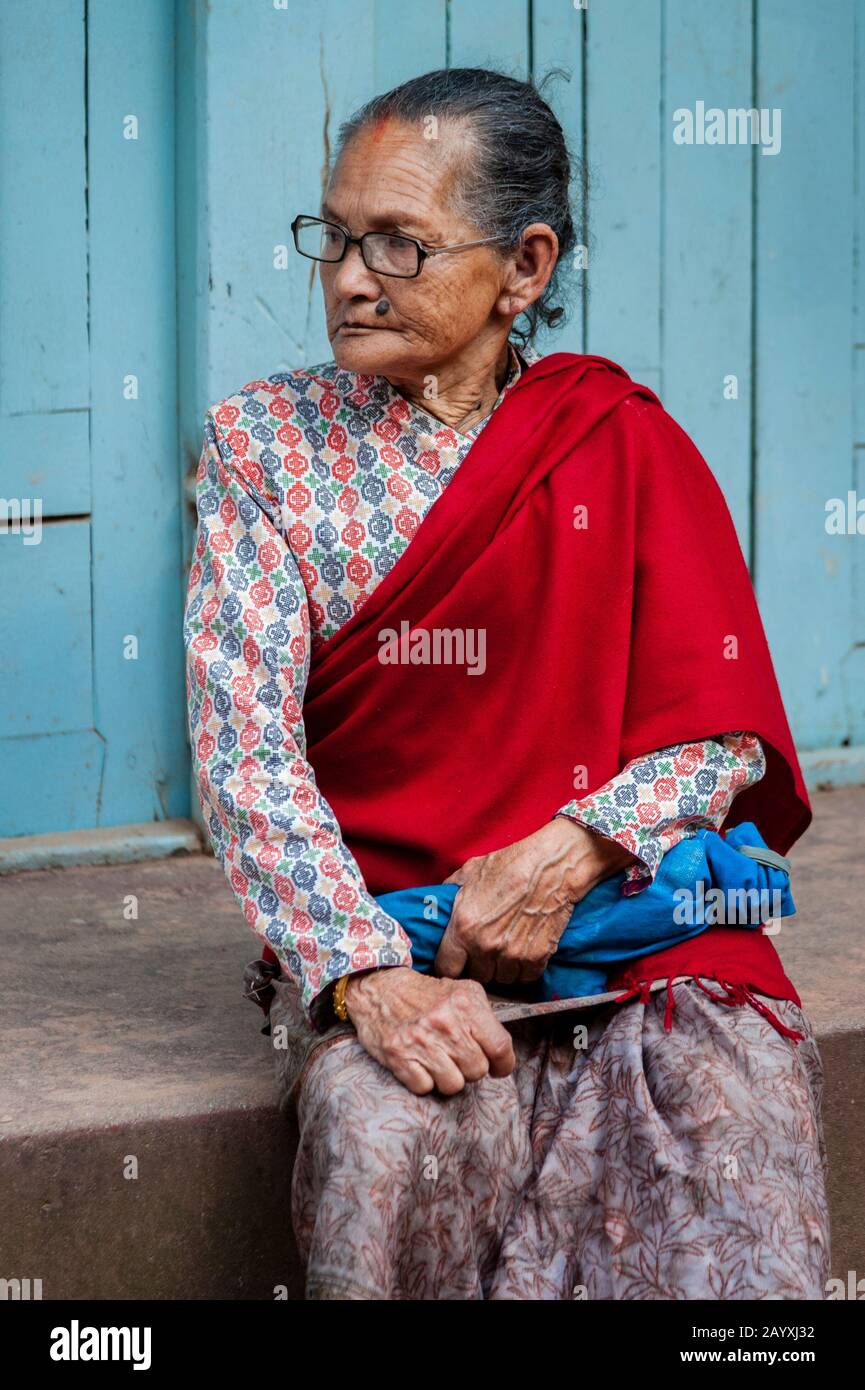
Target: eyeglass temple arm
(462, 246)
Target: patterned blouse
(310, 486)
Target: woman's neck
(462, 399)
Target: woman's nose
(353, 276)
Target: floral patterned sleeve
(656, 800)
(246, 632)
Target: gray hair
(519, 170)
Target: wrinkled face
(389, 178)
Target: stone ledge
(119, 844)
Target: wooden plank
(43, 250)
(478, 41)
(191, 219)
(192, 215)
(803, 335)
(409, 40)
(557, 42)
(45, 674)
(854, 666)
(49, 782)
(707, 245)
(137, 572)
(44, 368)
(47, 456)
(622, 104)
(265, 317)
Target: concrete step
(128, 1041)
(141, 1151)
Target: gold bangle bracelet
(339, 998)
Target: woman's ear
(530, 267)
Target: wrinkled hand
(428, 1032)
(515, 903)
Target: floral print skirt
(619, 1160)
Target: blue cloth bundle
(705, 880)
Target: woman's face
(390, 178)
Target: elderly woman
(441, 584)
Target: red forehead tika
(379, 128)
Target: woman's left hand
(514, 904)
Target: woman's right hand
(431, 1033)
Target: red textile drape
(585, 537)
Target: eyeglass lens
(393, 255)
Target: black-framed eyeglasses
(387, 253)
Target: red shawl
(587, 538)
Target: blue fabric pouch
(705, 880)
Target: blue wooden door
(91, 694)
